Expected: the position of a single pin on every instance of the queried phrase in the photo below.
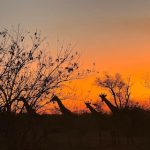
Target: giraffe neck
(110, 105)
(63, 109)
(93, 111)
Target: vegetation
(118, 88)
(29, 77)
(28, 73)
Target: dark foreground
(84, 132)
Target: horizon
(114, 35)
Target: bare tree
(119, 89)
(29, 71)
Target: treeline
(86, 131)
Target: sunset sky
(115, 34)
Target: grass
(83, 132)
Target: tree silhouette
(29, 71)
(119, 89)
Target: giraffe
(71, 120)
(62, 108)
(32, 126)
(92, 110)
(28, 107)
(121, 121)
(112, 108)
(114, 128)
(99, 121)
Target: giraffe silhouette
(99, 121)
(92, 110)
(71, 121)
(62, 108)
(121, 122)
(30, 110)
(112, 108)
(115, 119)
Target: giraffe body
(99, 121)
(121, 122)
(62, 108)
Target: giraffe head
(88, 104)
(102, 96)
(54, 99)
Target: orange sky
(113, 34)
